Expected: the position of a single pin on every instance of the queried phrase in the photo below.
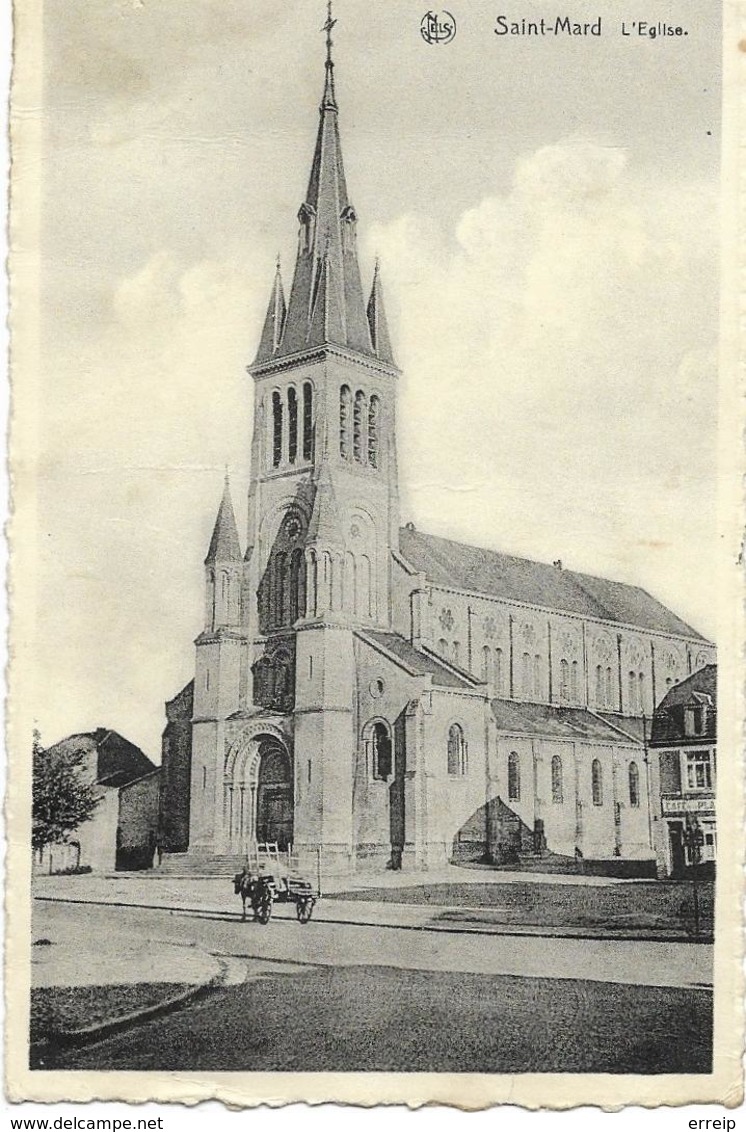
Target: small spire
(379, 330)
(224, 544)
(274, 322)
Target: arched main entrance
(274, 795)
(258, 798)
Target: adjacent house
(123, 831)
(684, 772)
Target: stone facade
(376, 694)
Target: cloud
(558, 348)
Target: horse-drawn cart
(271, 876)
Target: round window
(377, 688)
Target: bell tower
(323, 498)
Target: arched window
(574, 689)
(634, 785)
(297, 586)
(307, 421)
(455, 651)
(536, 677)
(292, 425)
(557, 796)
(514, 777)
(359, 420)
(278, 596)
(373, 415)
(276, 430)
(527, 680)
(345, 410)
(600, 696)
(312, 582)
(609, 688)
(443, 646)
(349, 582)
(456, 751)
(378, 744)
(364, 591)
(487, 664)
(225, 586)
(597, 783)
(564, 680)
(632, 691)
(641, 701)
(498, 670)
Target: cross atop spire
(329, 101)
(328, 27)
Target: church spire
(274, 322)
(379, 330)
(327, 253)
(224, 544)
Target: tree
(62, 796)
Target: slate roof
(422, 663)
(631, 725)
(553, 722)
(669, 716)
(472, 568)
(119, 762)
(224, 544)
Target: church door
(274, 800)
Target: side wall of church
(455, 796)
(424, 801)
(546, 657)
(588, 797)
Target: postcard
(374, 695)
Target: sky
(545, 211)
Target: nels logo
(438, 27)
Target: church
(376, 695)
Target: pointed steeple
(379, 329)
(274, 323)
(224, 544)
(327, 244)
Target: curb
(524, 930)
(87, 1035)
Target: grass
(645, 905)
(65, 1009)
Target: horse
(258, 891)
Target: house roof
(119, 762)
(669, 722)
(553, 722)
(489, 572)
(417, 661)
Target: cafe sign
(678, 806)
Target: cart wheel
(304, 909)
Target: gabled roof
(118, 762)
(669, 718)
(416, 661)
(472, 568)
(554, 722)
